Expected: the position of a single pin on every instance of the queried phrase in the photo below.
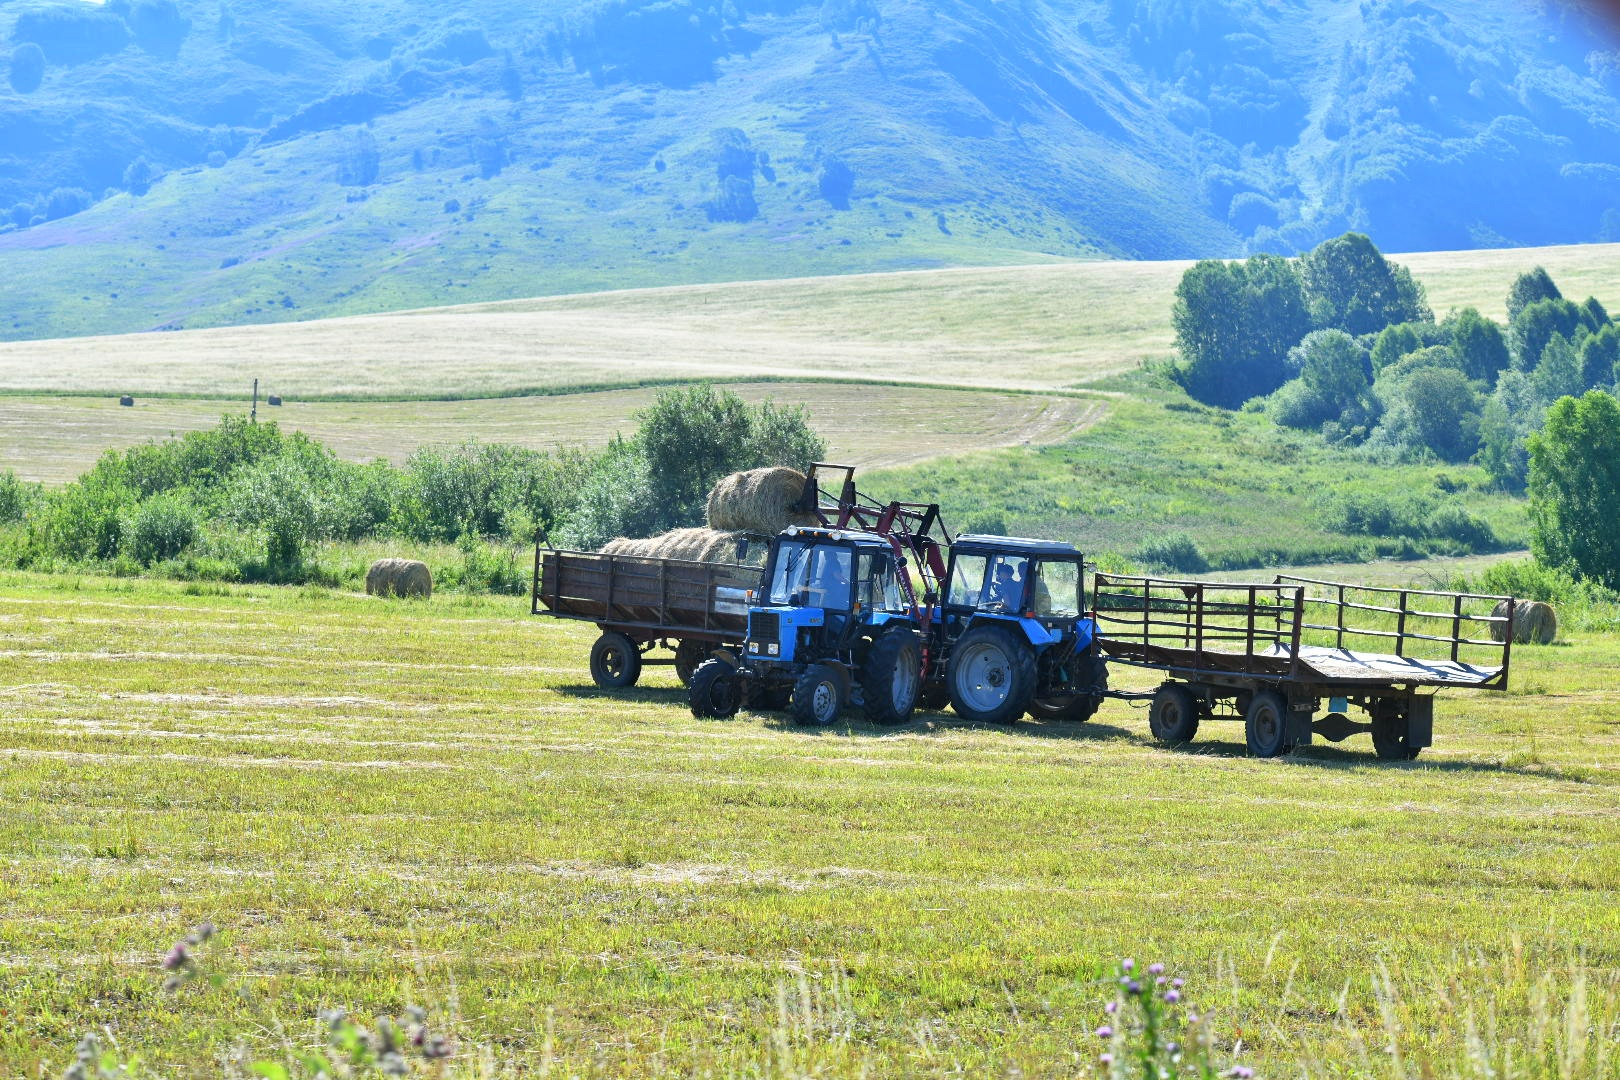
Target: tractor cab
(1015, 634)
(832, 581)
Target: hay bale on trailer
(1534, 623)
(758, 501)
(399, 577)
(692, 545)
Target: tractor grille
(764, 628)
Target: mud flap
(1299, 721)
(1420, 722)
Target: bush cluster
(249, 502)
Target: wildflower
(1106, 1059)
(392, 1064)
(1240, 1072)
(1133, 987)
(178, 957)
(436, 1047)
(1127, 964)
(1105, 1032)
(1192, 1018)
(1171, 997)
(1111, 1008)
(1159, 981)
(1155, 969)
(1177, 983)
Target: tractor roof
(985, 545)
(835, 536)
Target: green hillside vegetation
(184, 163)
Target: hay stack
(399, 577)
(693, 545)
(1534, 623)
(758, 501)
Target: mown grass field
(54, 439)
(384, 803)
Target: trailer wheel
(1266, 725)
(715, 693)
(689, 655)
(1173, 716)
(615, 661)
(992, 675)
(819, 695)
(1390, 732)
(891, 677)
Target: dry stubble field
(390, 803)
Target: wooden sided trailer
(690, 609)
(1275, 655)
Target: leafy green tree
(1434, 409)
(1559, 373)
(1511, 414)
(1393, 343)
(1352, 287)
(1536, 324)
(140, 175)
(1477, 344)
(1333, 367)
(1235, 323)
(1594, 315)
(1575, 488)
(1528, 288)
(1600, 358)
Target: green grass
(382, 803)
(1248, 492)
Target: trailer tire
(1266, 724)
(819, 695)
(1173, 716)
(615, 661)
(992, 675)
(715, 694)
(689, 656)
(892, 677)
(1390, 731)
(1073, 708)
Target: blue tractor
(836, 623)
(1012, 635)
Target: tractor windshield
(812, 576)
(988, 582)
(879, 588)
(1057, 592)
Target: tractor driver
(1006, 588)
(830, 586)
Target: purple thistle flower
(1159, 981)
(1171, 997)
(1192, 1018)
(177, 957)
(1133, 987)
(1106, 1059)
(1240, 1072)
(1127, 964)
(1111, 1008)
(1177, 983)
(1155, 969)
(1105, 1032)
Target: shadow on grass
(1329, 756)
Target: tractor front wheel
(715, 693)
(992, 675)
(819, 695)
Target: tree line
(248, 501)
(1342, 341)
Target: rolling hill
(188, 163)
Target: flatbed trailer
(1275, 654)
(640, 605)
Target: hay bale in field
(758, 501)
(1534, 623)
(126, 401)
(399, 577)
(692, 545)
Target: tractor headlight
(753, 646)
(773, 649)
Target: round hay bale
(691, 545)
(1534, 623)
(126, 401)
(399, 577)
(759, 501)
(274, 399)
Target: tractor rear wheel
(615, 661)
(892, 677)
(1266, 725)
(992, 675)
(819, 695)
(1173, 716)
(715, 693)
(1075, 708)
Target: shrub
(1452, 522)
(1367, 513)
(17, 497)
(1575, 488)
(275, 499)
(85, 519)
(1174, 551)
(160, 528)
(986, 523)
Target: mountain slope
(289, 159)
